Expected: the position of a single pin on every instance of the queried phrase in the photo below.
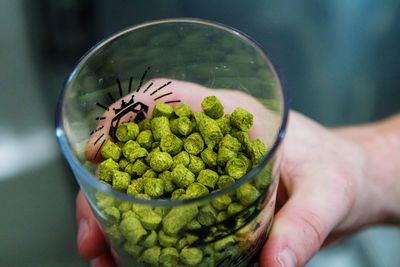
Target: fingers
(105, 260)
(303, 223)
(91, 242)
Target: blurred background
(340, 60)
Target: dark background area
(340, 61)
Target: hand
(326, 191)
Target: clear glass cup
(173, 61)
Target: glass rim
(92, 180)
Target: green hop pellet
(210, 131)
(208, 178)
(196, 189)
(104, 200)
(150, 174)
(143, 196)
(161, 161)
(243, 138)
(224, 243)
(178, 193)
(236, 168)
(230, 142)
(191, 256)
(241, 119)
(209, 157)
(181, 158)
(160, 127)
(123, 163)
(132, 229)
(114, 233)
(183, 110)
(177, 218)
(222, 216)
(151, 255)
(181, 126)
(149, 219)
(194, 144)
(169, 186)
(120, 180)
(160, 210)
(112, 214)
(248, 162)
(145, 124)
(207, 215)
(129, 147)
(129, 213)
(257, 151)
(127, 131)
(137, 153)
(111, 151)
(167, 240)
(224, 123)
(234, 208)
(196, 164)
(191, 238)
(136, 187)
(212, 107)
(247, 194)
(224, 180)
(133, 249)
(193, 225)
(152, 152)
(221, 202)
(162, 109)
(182, 177)
(171, 143)
(224, 155)
(150, 240)
(153, 187)
(124, 206)
(169, 257)
(106, 169)
(145, 139)
(137, 169)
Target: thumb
(304, 222)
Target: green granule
(181, 158)
(224, 123)
(120, 180)
(169, 186)
(183, 110)
(247, 194)
(112, 214)
(136, 153)
(145, 124)
(106, 169)
(136, 187)
(210, 131)
(208, 178)
(127, 131)
(191, 256)
(224, 155)
(153, 187)
(132, 229)
(221, 202)
(209, 157)
(162, 109)
(196, 189)
(257, 151)
(150, 173)
(161, 161)
(167, 240)
(129, 147)
(150, 240)
(160, 127)
(177, 218)
(241, 119)
(196, 164)
(151, 255)
(133, 249)
(236, 168)
(169, 257)
(194, 144)
(137, 169)
(145, 139)
(111, 151)
(181, 176)
(171, 144)
(212, 107)
(182, 126)
(207, 215)
(178, 193)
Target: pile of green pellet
(178, 153)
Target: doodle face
(134, 106)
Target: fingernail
(287, 258)
(83, 228)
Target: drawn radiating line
(100, 118)
(102, 106)
(96, 130)
(172, 101)
(97, 140)
(142, 79)
(119, 87)
(148, 87)
(161, 87)
(161, 96)
(130, 84)
(98, 150)
(111, 97)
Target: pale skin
(333, 182)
